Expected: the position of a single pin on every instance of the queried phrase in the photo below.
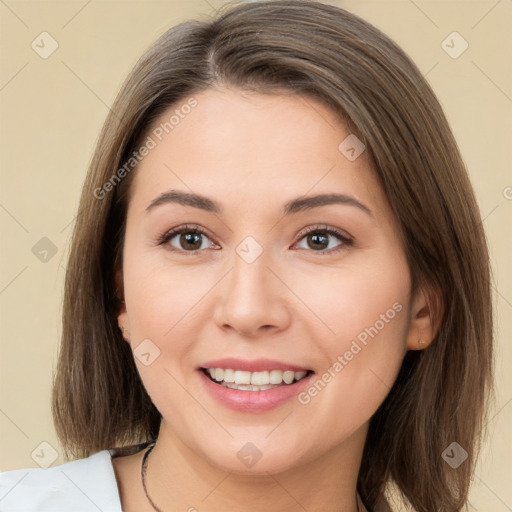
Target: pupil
(190, 239)
(324, 242)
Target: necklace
(152, 503)
(143, 477)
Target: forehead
(251, 147)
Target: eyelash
(191, 228)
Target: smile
(254, 381)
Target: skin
(252, 153)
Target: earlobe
(122, 319)
(425, 317)
(125, 333)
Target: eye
(317, 238)
(188, 238)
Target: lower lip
(253, 401)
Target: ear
(426, 313)
(122, 315)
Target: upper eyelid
(324, 227)
(305, 231)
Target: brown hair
(321, 51)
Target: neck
(176, 475)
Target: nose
(253, 299)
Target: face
(262, 281)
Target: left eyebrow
(307, 203)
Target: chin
(246, 458)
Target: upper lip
(254, 365)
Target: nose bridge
(250, 276)
(251, 296)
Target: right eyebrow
(186, 199)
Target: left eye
(318, 239)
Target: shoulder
(82, 485)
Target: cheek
(162, 309)
(368, 310)
(166, 306)
(364, 297)
(163, 294)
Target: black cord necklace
(143, 477)
(152, 503)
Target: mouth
(255, 385)
(244, 380)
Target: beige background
(51, 113)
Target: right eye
(188, 236)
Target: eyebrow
(295, 205)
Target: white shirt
(83, 485)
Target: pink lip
(256, 365)
(253, 401)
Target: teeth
(242, 387)
(229, 375)
(288, 376)
(276, 376)
(300, 375)
(260, 378)
(240, 379)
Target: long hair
(324, 52)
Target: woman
(278, 291)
